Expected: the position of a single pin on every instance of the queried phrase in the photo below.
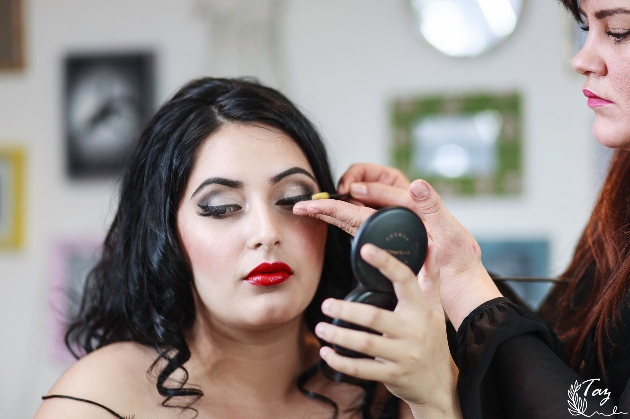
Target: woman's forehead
(242, 151)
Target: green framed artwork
(11, 197)
(464, 145)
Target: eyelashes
(618, 37)
(222, 211)
(294, 200)
(218, 211)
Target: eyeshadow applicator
(326, 195)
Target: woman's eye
(292, 200)
(618, 36)
(584, 28)
(218, 211)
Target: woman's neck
(249, 367)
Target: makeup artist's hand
(412, 357)
(370, 186)
(465, 283)
(375, 186)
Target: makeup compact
(401, 233)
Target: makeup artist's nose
(588, 60)
(263, 228)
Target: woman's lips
(594, 100)
(267, 274)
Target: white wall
(346, 60)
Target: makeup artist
(512, 363)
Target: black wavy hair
(140, 290)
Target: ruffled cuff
(478, 337)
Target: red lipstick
(593, 100)
(267, 274)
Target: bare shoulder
(114, 376)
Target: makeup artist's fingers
(359, 341)
(367, 172)
(344, 215)
(363, 368)
(383, 321)
(464, 282)
(378, 195)
(405, 282)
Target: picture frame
(108, 100)
(514, 258)
(12, 168)
(71, 261)
(11, 35)
(467, 145)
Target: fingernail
(313, 210)
(369, 250)
(358, 189)
(299, 211)
(329, 307)
(325, 351)
(419, 189)
(320, 330)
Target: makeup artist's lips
(593, 100)
(267, 274)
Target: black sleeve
(512, 365)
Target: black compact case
(400, 232)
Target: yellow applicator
(326, 195)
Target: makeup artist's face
(254, 263)
(605, 61)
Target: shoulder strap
(61, 396)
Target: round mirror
(465, 28)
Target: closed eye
(618, 36)
(218, 211)
(292, 200)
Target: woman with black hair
(511, 363)
(209, 288)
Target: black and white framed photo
(108, 99)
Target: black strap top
(61, 396)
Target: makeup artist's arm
(465, 283)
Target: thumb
(428, 205)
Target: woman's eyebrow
(277, 178)
(600, 14)
(219, 181)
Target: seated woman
(206, 296)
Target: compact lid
(397, 230)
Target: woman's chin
(612, 134)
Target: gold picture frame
(11, 35)
(12, 161)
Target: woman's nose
(264, 228)
(589, 60)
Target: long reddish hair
(604, 249)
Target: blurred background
(477, 96)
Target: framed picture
(519, 258)
(11, 43)
(463, 145)
(108, 99)
(11, 197)
(71, 261)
